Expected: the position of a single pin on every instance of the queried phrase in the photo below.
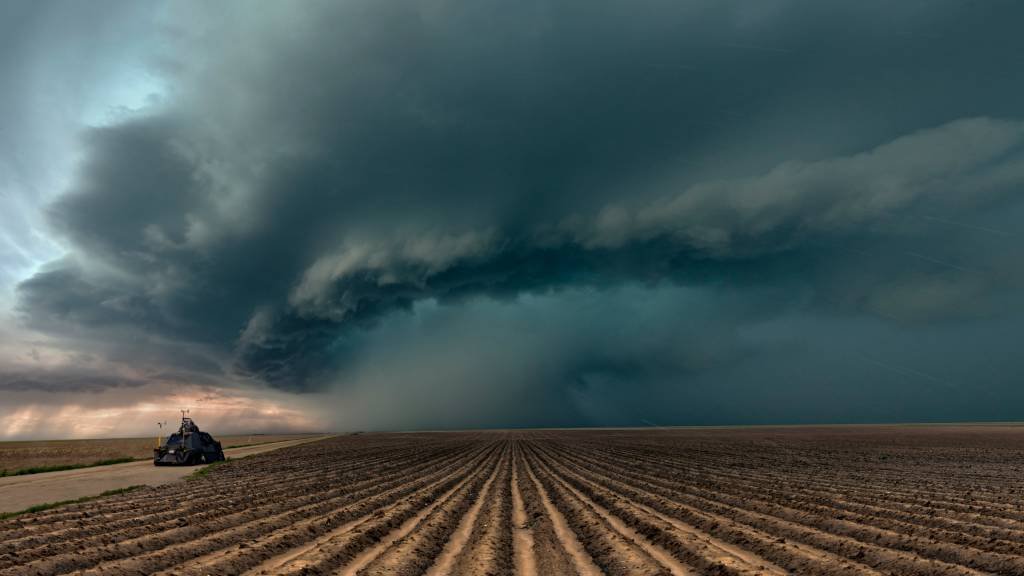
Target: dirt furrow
(654, 550)
(359, 545)
(877, 556)
(614, 553)
(698, 549)
(874, 489)
(488, 550)
(582, 562)
(202, 532)
(549, 554)
(523, 543)
(457, 543)
(786, 554)
(882, 503)
(126, 507)
(100, 533)
(90, 530)
(275, 543)
(414, 552)
(823, 518)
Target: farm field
(20, 455)
(935, 500)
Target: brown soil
(845, 500)
(524, 549)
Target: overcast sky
(377, 214)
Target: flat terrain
(843, 500)
(20, 492)
(32, 454)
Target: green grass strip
(49, 505)
(59, 467)
(206, 469)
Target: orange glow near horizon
(219, 411)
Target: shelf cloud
(437, 215)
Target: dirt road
(21, 492)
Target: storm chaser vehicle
(188, 446)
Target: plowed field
(845, 500)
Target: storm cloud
(431, 212)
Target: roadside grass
(207, 468)
(202, 472)
(59, 467)
(49, 505)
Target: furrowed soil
(856, 500)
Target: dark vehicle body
(188, 446)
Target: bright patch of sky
(135, 91)
(71, 67)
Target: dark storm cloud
(64, 381)
(61, 63)
(323, 169)
(714, 231)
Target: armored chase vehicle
(188, 446)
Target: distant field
(42, 453)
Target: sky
(380, 215)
